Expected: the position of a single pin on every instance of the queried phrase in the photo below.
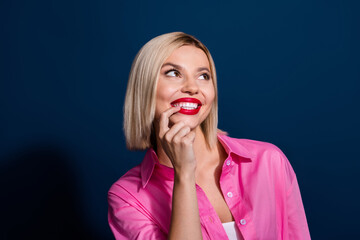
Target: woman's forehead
(188, 55)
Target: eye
(205, 76)
(172, 73)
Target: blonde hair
(139, 106)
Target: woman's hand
(177, 142)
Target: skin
(181, 143)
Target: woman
(195, 182)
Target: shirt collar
(230, 145)
(233, 146)
(147, 166)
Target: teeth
(186, 105)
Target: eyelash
(172, 70)
(206, 76)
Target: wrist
(183, 176)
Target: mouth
(189, 106)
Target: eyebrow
(180, 68)
(171, 64)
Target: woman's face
(185, 80)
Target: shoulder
(254, 147)
(129, 214)
(126, 185)
(266, 159)
(265, 156)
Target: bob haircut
(139, 106)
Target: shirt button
(242, 221)
(229, 194)
(228, 162)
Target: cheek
(160, 93)
(210, 95)
(164, 93)
(162, 100)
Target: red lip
(188, 111)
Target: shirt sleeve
(297, 224)
(128, 222)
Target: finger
(189, 138)
(178, 137)
(173, 131)
(164, 120)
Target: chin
(189, 120)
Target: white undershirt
(232, 231)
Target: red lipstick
(189, 106)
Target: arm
(298, 227)
(127, 221)
(177, 143)
(297, 224)
(185, 220)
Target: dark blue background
(288, 74)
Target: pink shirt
(257, 182)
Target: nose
(190, 86)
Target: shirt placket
(230, 187)
(209, 218)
